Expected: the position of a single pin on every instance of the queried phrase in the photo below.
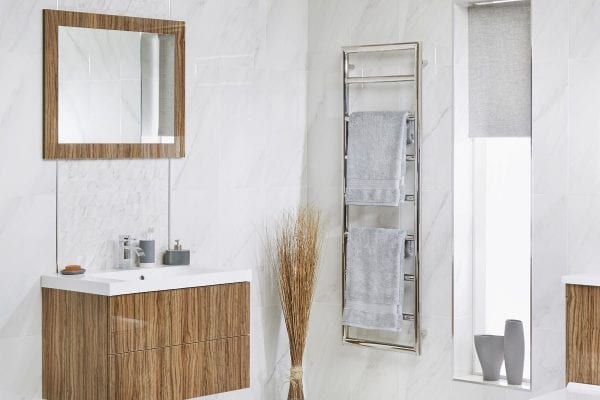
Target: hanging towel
(376, 157)
(374, 289)
(410, 133)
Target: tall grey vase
(514, 351)
(490, 351)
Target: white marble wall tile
(427, 21)
(463, 347)
(243, 137)
(550, 30)
(200, 168)
(385, 12)
(436, 130)
(341, 371)
(286, 39)
(100, 200)
(24, 172)
(26, 199)
(583, 233)
(285, 120)
(327, 147)
(141, 8)
(584, 143)
(550, 103)
(20, 372)
(329, 26)
(195, 222)
(436, 253)
(584, 40)
(27, 237)
(236, 29)
(21, 26)
(549, 260)
(548, 357)
(329, 282)
(434, 364)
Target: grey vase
(490, 351)
(514, 351)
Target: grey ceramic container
(490, 351)
(514, 351)
(147, 247)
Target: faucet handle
(125, 239)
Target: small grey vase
(490, 351)
(514, 351)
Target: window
(501, 235)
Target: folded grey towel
(376, 157)
(374, 289)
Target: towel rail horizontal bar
(408, 198)
(381, 345)
(379, 47)
(411, 117)
(409, 238)
(380, 79)
(409, 157)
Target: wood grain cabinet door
(151, 320)
(583, 334)
(181, 372)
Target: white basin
(117, 282)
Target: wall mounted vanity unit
(167, 333)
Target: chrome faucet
(129, 255)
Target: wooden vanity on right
(583, 328)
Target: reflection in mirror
(115, 86)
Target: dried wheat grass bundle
(297, 247)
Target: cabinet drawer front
(151, 320)
(181, 372)
(583, 334)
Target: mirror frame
(53, 150)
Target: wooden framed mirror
(114, 87)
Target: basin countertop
(125, 281)
(585, 279)
(573, 391)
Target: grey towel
(410, 134)
(376, 157)
(374, 290)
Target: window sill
(478, 379)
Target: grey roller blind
(500, 70)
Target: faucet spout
(129, 255)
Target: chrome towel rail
(348, 334)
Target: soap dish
(72, 270)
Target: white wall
(245, 162)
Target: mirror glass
(115, 86)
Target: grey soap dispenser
(177, 256)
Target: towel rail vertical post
(416, 198)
